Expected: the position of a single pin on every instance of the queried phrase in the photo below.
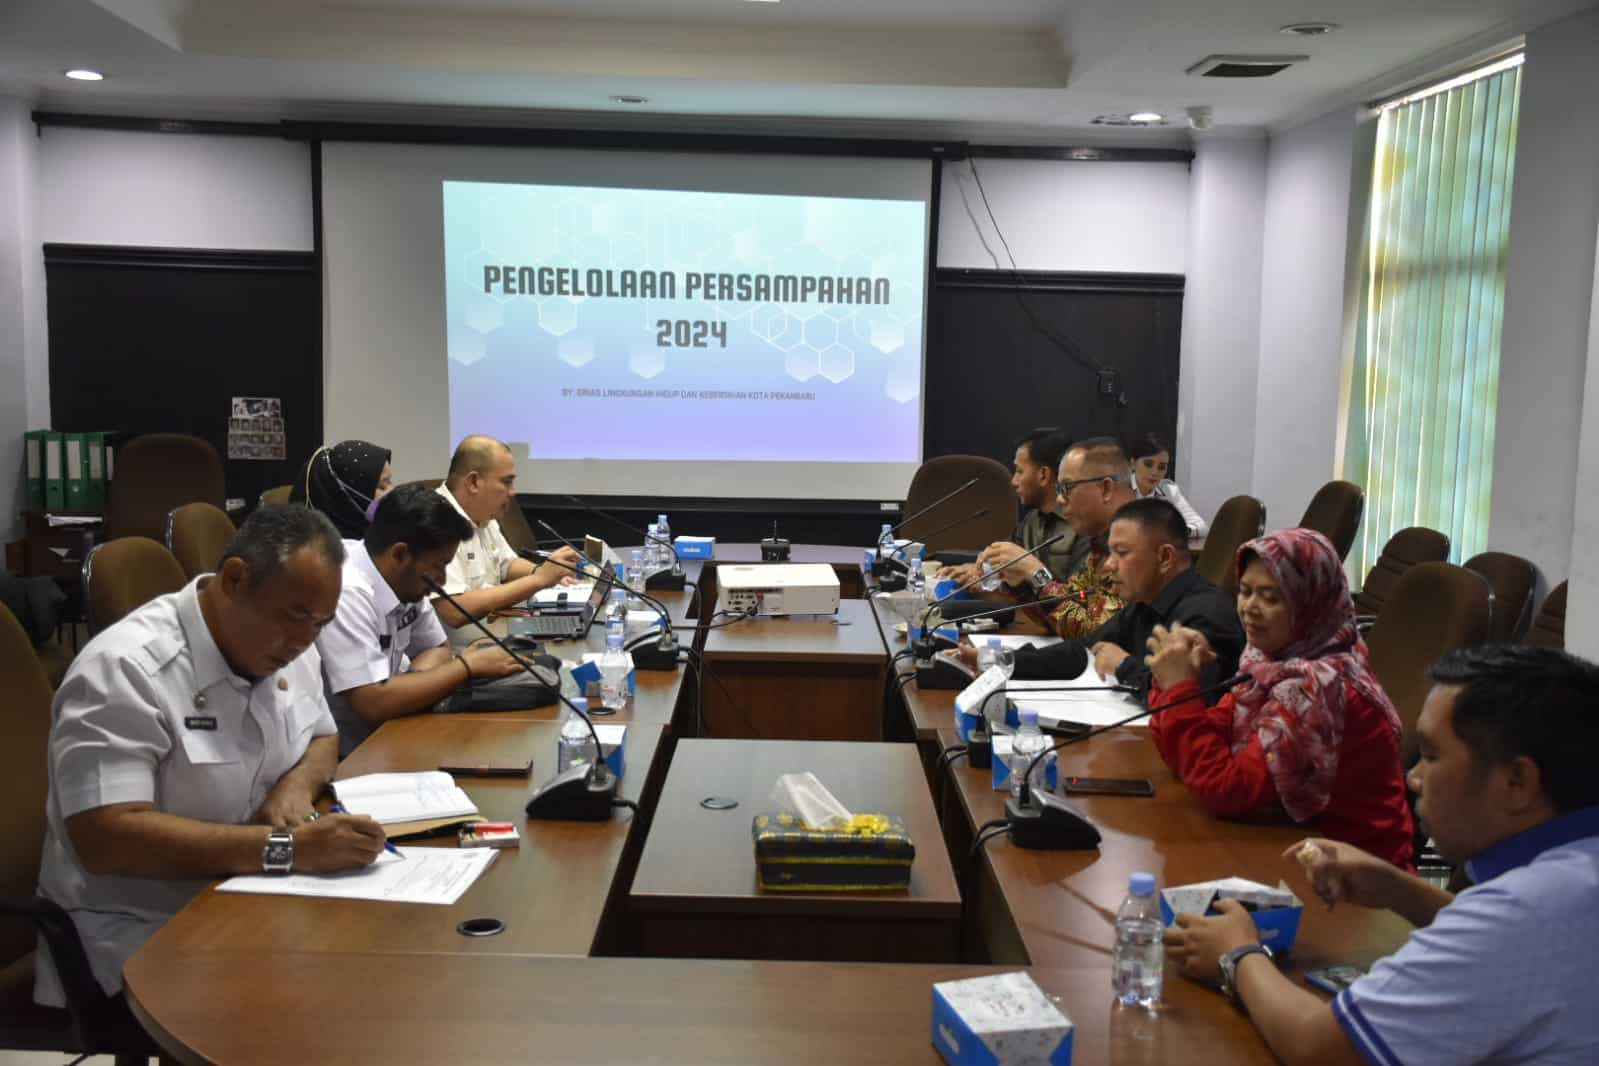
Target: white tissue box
(1004, 1019)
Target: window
(1425, 376)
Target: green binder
(55, 485)
(33, 444)
(94, 486)
(75, 469)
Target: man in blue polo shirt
(1502, 973)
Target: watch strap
(277, 854)
(1229, 966)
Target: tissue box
(966, 723)
(1001, 770)
(589, 670)
(873, 855)
(694, 547)
(611, 740)
(1005, 1018)
(1277, 925)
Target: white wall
(24, 357)
(1069, 216)
(1301, 314)
(1221, 321)
(1548, 289)
(1582, 604)
(174, 190)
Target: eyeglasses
(1064, 489)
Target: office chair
(122, 575)
(1238, 520)
(1335, 512)
(156, 473)
(1548, 628)
(1406, 548)
(197, 535)
(1512, 578)
(944, 474)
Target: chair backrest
(1434, 607)
(1335, 512)
(1406, 548)
(197, 535)
(1238, 520)
(1548, 628)
(276, 494)
(946, 473)
(513, 526)
(24, 777)
(156, 473)
(122, 575)
(1512, 579)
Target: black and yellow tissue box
(872, 854)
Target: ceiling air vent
(1243, 66)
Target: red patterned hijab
(1295, 702)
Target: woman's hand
(1177, 654)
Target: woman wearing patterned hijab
(344, 481)
(1310, 733)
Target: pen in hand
(388, 846)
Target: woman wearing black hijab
(344, 482)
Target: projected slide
(642, 324)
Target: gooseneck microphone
(903, 522)
(552, 531)
(662, 654)
(580, 793)
(947, 526)
(674, 579)
(925, 650)
(1040, 819)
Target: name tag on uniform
(409, 616)
(384, 640)
(201, 721)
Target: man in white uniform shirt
(189, 741)
(385, 653)
(486, 574)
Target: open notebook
(405, 804)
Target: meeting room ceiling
(1012, 70)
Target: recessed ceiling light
(1308, 29)
(1148, 117)
(85, 75)
(632, 101)
(1141, 118)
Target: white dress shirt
(150, 712)
(372, 638)
(482, 561)
(1167, 490)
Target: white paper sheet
(575, 594)
(416, 875)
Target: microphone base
(650, 656)
(774, 550)
(1049, 823)
(941, 675)
(980, 750)
(574, 796)
(666, 581)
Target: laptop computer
(563, 619)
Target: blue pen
(339, 808)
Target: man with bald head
(486, 574)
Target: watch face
(278, 855)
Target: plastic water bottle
(636, 574)
(613, 671)
(885, 542)
(992, 578)
(664, 531)
(1025, 744)
(652, 549)
(616, 616)
(576, 745)
(1139, 957)
(916, 583)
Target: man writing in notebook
(189, 740)
(385, 653)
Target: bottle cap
(995, 642)
(1027, 716)
(1141, 884)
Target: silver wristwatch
(277, 857)
(1228, 964)
(1039, 580)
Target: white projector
(778, 588)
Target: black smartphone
(1108, 786)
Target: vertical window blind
(1425, 384)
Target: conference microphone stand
(1041, 819)
(935, 673)
(578, 793)
(662, 654)
(924, 648)
(673, 580)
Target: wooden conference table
(236, 978)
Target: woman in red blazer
(1310, 733)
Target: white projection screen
(632, 323)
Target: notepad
(393, 799)
(416, 875)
